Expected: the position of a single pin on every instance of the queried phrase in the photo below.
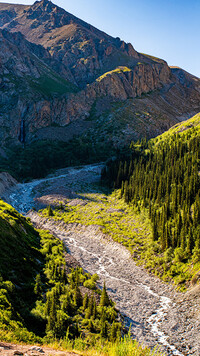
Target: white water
(102, 263)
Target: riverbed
(150, 307)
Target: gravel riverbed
(156, 312)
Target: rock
(89, 60)
(111, 210)
(20, 353)
(36, 348)
(6, 182)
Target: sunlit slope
(183, 129)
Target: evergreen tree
(104, 301)
(38, 286)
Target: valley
(155, 311)
(99, 190)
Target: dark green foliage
(50, 211)
(163, 176)
(38, 286)
(39, 158)
(37, 297)
(104, 301)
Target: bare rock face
(6, 182)
(55, 68)
(81, 48)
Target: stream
(142, 299)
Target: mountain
(70, 78)
(25, 80)
(83, 49)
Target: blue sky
(169, 29)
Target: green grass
(15, 230)
(118, 70)
(155, 59)
(121, 223)
(51, 85)
(124, 347)
(26, 253)
(188, 127)
(130, 227)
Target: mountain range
(60, 77)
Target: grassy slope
(48, 84)
(19, 263)
(183, 128)
(115, 218)
(21, 258)
(117, 70)
(16, 231)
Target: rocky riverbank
(157, 313)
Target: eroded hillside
(122, 94)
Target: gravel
(156, 312)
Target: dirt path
(157, 314)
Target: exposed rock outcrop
(81, 48)
(66, 71)
(6, 182)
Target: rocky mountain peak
(41, 11)
(48, 54)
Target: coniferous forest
(162, 176)
(41, 298)
(99, 216)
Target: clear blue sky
(169, 29)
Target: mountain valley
(99, 192)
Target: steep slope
(189, 126)
(41, 294)
(26, 83)
(83, 49)
(122, 95)
(162, 177)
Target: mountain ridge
(100, 80)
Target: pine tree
(94, 311)
(89, 310)
(50, 211)
(104, 301)
(78, 300)
(103, 324)
(85, 301)
(38, 286)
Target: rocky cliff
(84, 51)
(59, 70)
(6, 182)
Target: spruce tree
(104, 301)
